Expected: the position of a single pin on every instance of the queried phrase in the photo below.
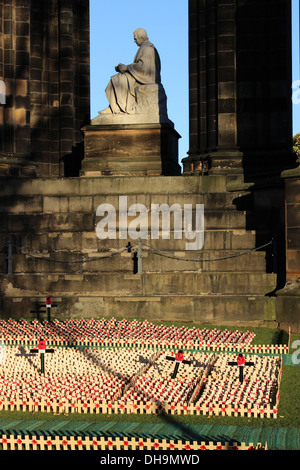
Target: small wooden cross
(241, 362)
(39, 308)
(41, 350)
(179, 360)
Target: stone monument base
(130, 145)
(56, 252)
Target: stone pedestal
(213, 162)
(129, 145)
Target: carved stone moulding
(17, 166)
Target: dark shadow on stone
(72, 162)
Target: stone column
(240, 87)
(44, 61)
(288, 298)
(213, 94)
(15, 72)
(60, 60)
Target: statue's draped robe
(145, 70)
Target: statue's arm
(143, 57)
(121, 68)
(137, 66)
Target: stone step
(231, 239)
(227, 309)
(53, 204)
(147, 284)
(116, 185)
(226, 220)
(153, 261)
(86, 222)
(56, 218)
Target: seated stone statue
(137, 88)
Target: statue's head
(140, 36)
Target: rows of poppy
(79, 330)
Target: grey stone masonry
(240, 87)
(56, 251)
(44, 62)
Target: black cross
(41, 349)
(48, 305)
(38, 310)
(241, 366)
(178, 362)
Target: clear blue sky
(166, 21)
